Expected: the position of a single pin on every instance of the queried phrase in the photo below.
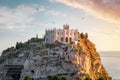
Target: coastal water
(111, 62)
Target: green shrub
(88, 78)
(102, 78)
(110, 78)
(7, 50)
(35, 39)
(81, 35)
(78, 79)
(25, 44)
(56, 77)
(72, 74)
(1, 60)
(27, 78)
(19, 45)
(63, 78)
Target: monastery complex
(65, 35)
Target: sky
(22, 19)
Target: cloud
(23, 16)
(18, 17)
(104, 9)
(21, 22)
(10, 27)
(54, 12)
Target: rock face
(73, 61)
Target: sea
(111, 62)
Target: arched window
(70, 40)
(62, 39)
(66, 39)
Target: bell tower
(65, 26)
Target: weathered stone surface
(73, 61)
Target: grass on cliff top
(25, 45)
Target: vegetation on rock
(33, 42)
(27, 78)
(87, 48)
(56, 77)
(79, 61)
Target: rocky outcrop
(89, 59)
(73, 61)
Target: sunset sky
(22, 19)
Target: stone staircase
(14, 72)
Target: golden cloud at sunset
(105, 9)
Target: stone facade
(64, 35)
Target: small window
(74, 33)
(62, 33)
(67, 33)
(70, 39)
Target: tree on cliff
(19, 45)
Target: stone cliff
(57, 61)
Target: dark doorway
(66, 39)
(62, 39)
(70, 40)
(14, 71)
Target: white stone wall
(61, 35)
(49, 36)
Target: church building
(65, 35)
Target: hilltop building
(65, 35)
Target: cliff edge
(57, 61)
